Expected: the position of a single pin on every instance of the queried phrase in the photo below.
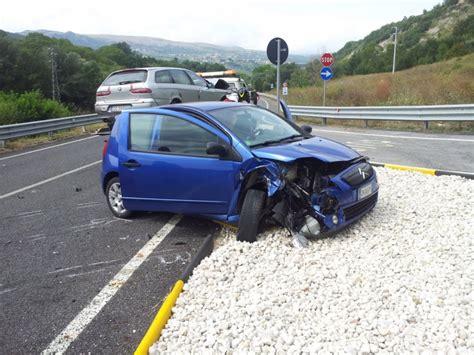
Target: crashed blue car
(236, 163)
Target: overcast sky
(308, 26)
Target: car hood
(323, 149)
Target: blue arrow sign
(326, 73)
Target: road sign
(285, 90)
(272, 51)
(326, 73)
(327, 59)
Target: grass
(449, 82)
(31, 141)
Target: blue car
(236, 163)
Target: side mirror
(307, 129)
(219, 149)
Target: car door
(206, 91)
(165, 166)
(184, 85)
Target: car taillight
(141, 91)
(104, 150)
(103, 92)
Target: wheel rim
(115, 198)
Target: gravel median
(401, 279)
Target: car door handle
(132, 164)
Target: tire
(250, 215)
(113, 193)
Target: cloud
(306, 25)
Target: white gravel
(399, 280)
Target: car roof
(205, 106)
(149, 68)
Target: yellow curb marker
(153, 333)
(411, 168)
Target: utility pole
(394, 50)
(55, 93)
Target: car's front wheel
(113, 192)
(250, 215)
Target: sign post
(327, 59)
(277, 53)
(285, 88)
(326, 74)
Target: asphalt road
(60, 247)
(424, 150)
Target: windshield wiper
(129, 82)
(276, 141)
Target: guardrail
(366, 113)
(46, 126)
(389, 113)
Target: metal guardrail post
(2, 144)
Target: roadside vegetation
(26, 82)
(449, 82)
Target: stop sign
(327, 59)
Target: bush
(29, 106)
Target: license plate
(118, 108)
(365, 191)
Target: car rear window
(126, 77)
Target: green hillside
(447, 82)
(444, 32)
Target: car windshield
(256, 126)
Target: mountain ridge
(231, 56)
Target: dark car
(236, 163)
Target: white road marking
(50, 147)
(8, 290)
(50, 179)
(82, 320)
(65, 269)
(85, 273)
(104, 262)
(403, 137)
(39, 238)
(28, 213)
(88, 205)
(34, 236)
(266, 103)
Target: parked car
(146, 87)
(237, 163)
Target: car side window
(197, 80)
(141, 131)
(168, 134)
(180, 77)
(163, 77)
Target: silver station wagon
(147, 87)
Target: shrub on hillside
(29, 106)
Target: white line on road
(9, 290)
(266, 103)
(403, 137)
(50, 179)
(50, 147)
(78, 324)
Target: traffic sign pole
(278, 77)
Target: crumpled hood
(323, 149)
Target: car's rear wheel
(113, 192)
(250, 215)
